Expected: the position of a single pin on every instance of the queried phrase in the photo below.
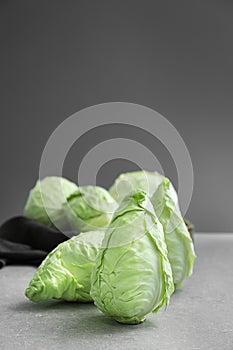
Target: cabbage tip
(66, 271)
(132, 275)
(180, 246)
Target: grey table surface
(200, 316)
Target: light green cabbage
(179, 243)
(144, 180)
(89, 208)
(45, 200)
(66, 271)
(132, 275)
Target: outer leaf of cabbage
(179, 243)
(145, 180)
(48, 210)
(66, 271)
(132, 275)
(89, 208)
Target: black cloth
(24, 241)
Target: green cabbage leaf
(180, 246)
(132, 275)
(66, 271)
(89, 208)
(45, 200)
(138, 180)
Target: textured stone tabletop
(200, 316)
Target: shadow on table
(75, 319)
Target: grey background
(58, 57)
